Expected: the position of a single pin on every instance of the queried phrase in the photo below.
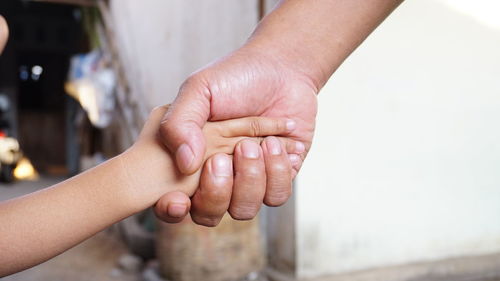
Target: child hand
(152, 168)
(222, 136)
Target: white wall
(405, 166)
(164, 41)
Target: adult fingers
(296, 162)
(249, 180)
(278, 171)
(172, 207)
(296, 153)
(181, 129)
(228, 144)
(212, 198)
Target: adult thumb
(181, 128)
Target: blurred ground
(8, 191)
(94, 259)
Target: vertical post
(228, 252)
(231, 251)
(156, 56)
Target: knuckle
(252, 174)
(243, 213)
(193, 79)
(280, 126)
(280, 168)
(218, 129)
(279, 183)
(166, 128)
(241, 216)
(156, 109)
(205, 221)
(216, 195)
(161, 108)
(276, 199)
(196, 84)
(255, 127)
(290, 146)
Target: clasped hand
(247, 83)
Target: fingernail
(250, 149)
(299, 147)
(177, 210)
(290, 125)
(185, 156)
(294, 159)
(273, 145)
(221, 166)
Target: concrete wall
(164, 41)
(404, 165)
(406, 159)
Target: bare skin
(41, 225)
(278, 72)
(4, 33)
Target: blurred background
(402, 182)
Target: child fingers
(296, 152)
(292, 146)
(158, 112)
(172, 207)
(296, 162)
(227, 145)
(153, 123)
(256, 126)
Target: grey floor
(94, 259)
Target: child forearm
(43, 224)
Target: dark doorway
(35, 65)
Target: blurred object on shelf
(10, 151)
(92, 83)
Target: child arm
(41, 225)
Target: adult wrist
(280, 38)
(286, 59)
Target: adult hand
(246, 83)
(278, 72)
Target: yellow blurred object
(25, 170)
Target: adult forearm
(315, 36)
